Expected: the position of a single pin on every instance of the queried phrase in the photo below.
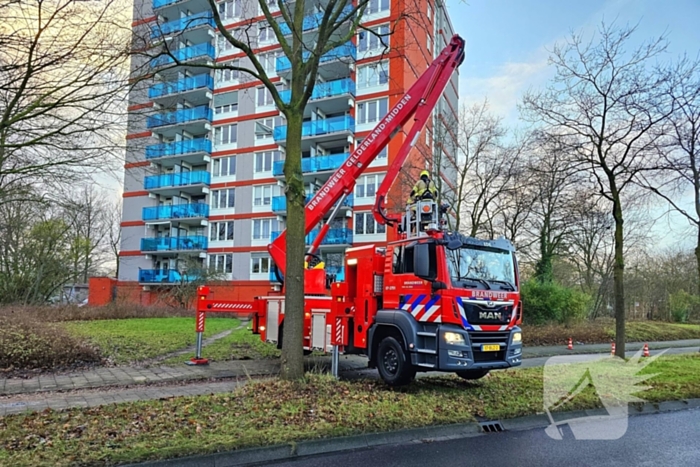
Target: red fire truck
(433, 300)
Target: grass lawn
(241, 344)
(127, 340)
(272, 412)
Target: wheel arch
(394, 323)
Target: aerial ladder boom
(418, 102)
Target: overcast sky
(508, 43)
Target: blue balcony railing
(314, 21)
(178, 148)
(333, 237)
(176, 211)
(183, 85)
(195, 242)
(318, 127)
(163, 3)
(165, 276)
(313, 164)
(203, 112)
(183, 55)
(177, 179)
(338, 87)
(346, 51)
(183, 24)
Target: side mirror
(421, 261)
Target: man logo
(490, 315)
(490, 304)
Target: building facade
(204, 182)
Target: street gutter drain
(491, 427)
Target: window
(269, 60)
(376, 6)
(429, 42)
(224, 109)
(429, 12)
(230, 9)
(262, 194)
(264, 97)
(219, 231)
(263, 228)
(221, 263)
(367, 185)
(227, 75)
(365, 224)
(259, 265)
(224, 167)
(374, 39)
(223, 199)
(265, 127)
(265, 160)
(374, 74)
(372, 111)
(265, 33)
(226, 134)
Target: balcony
(157, 4)
(312, 22)
(184, 85)
(333, 237)
(189, 22)
(174, 244)
(178, 212)
(337, 88)
(326, 126)
(165, 276)
(183, 182)
(313, 164)
(187, 54)
(346, 53)
(279, 203)
(179, 148)
(178, 117)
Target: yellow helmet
(426, 173)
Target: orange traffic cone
(612, 350)
(571, 345)
(646, 350)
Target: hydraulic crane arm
(418, 102)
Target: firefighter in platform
(423, 189)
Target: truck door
(406, 291)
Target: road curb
(292, 451)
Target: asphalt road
(671, 439)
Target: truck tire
(393, 364)
(472, 374)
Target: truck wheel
(472, 374)
(392, 362)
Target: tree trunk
(292, 363)
(618, 279)
(697, 258)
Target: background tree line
(608, 146)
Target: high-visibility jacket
(420, 189)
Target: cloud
(505, 88)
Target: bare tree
(61, 90)
(604, 104)
(681, 171)
(484, 169)
(114, 235)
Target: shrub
(48, 313)
(545, 302)
(29, 344)
(683, 305)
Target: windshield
(480, 266)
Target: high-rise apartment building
(203, 182)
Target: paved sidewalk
(550, 351)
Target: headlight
(454, 338)
(517, 337)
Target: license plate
(490, 348)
